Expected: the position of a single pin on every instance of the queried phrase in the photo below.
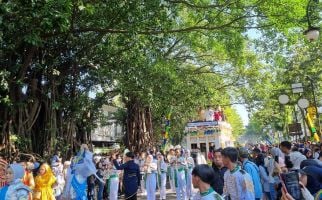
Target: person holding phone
(305, 193)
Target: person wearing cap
(150, 169)
(15, 189)
(311, 177)
(131, 177)
(253, 170)
(190, 166)
(162, 176)
(202, 177)
(179, 164)
(238, 185)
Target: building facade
(203, 135)
(107, 135)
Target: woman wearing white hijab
(150, 168)
(162, 176)
(190, 166)
(15, 190)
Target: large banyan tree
(61, 60)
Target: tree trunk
(139, 133)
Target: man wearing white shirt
(294, 156)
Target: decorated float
(201, 135)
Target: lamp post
(302, 104)
(312, 33)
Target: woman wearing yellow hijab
(44, 182)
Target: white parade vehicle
(201, 135)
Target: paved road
(170, 195)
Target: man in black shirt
(131, 177)
(219, 169)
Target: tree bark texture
(139, 133)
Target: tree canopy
(159, 56)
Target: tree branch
(169, 51)
(196, 5)
(207, 27)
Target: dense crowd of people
(285, 171)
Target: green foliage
(170, 55)
(235, 121)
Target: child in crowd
(44, 183)
(15, 188)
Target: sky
(241, 110)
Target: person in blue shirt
(265, 180)
(131, 177)
(252, 169)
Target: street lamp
(312, 33)
(302, 103)
(283, 99)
